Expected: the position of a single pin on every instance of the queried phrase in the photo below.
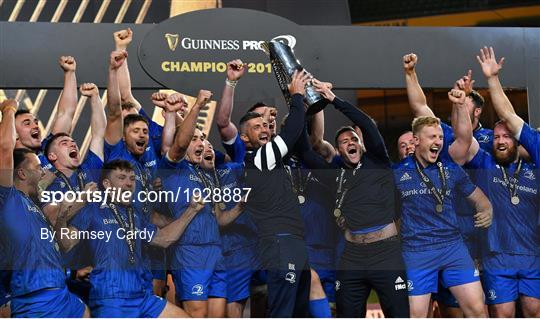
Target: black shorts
(377, 266)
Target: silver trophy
(284, 64)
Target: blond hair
(419, 122)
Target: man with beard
(118, 278)
(274, 207)
(37, 284)
(405, 145)
(365, 208)
(196, 263)
(130, 105)
(428, 185)
(228, 132)
(26, 124)
(512, 265)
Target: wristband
(231, 83)
(10, 107)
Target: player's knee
(531, 308)
(197, 310)
(475, 309)
(234, 310)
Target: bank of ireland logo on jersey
(197, 290)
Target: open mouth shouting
(73, 153)
(264, 138)
(434, 152)
(35, 134)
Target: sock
(320, 308)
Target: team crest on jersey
(62, 184)
(405, 177)
(290, 277)
(482, 138)
(529, 175)
(492, 295)
(197, 290)
(338, 285)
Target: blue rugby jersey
(236, 149)
(483, 135)
(145, 168)
(45, 164)
(422, 227)
(35, 262)
(513, 230)
(183, 177)
(242, 232)
(530, 139)
(88, 171)
(113, 275)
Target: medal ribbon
(131, 226)
(512, 183)
(439, 197)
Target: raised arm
(316, 137)
(169, 234)
(227, 130)
(464, 147)
(483, 208)
(185, 131)
(7, 141)
(98, 121)
(373, 140)
(113, 132)
(171, 105)
(417, 98)
(503, 107)
(68, 98)
(122, 39)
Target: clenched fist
(176, 102)
(457, 96)
(235, 70)
(67, 63)
(89, 89)
(159, 98)
(203, 97)
(117, 58)
(409, 62)
(123, 38)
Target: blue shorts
(148, 306)
(259, 278)
(451, 265)
(5, 298)
(240, 265)
(505, 277)
(201, 275)
(328, 282)
(48, 303)
(157, 262)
